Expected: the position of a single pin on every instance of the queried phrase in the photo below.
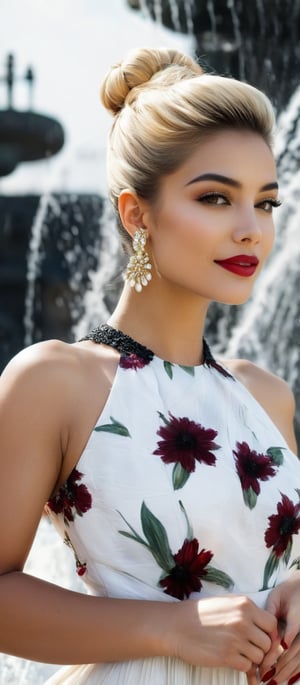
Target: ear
(131, 210)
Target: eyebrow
(229, 181)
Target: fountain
(25, 136)
(255, 41)
(48, 245)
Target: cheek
(269, 238)
(183, 234)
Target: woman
(171, 475)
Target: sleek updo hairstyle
(164, 104)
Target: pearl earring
(138, 270)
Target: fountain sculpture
(48, 245)
(25, 136)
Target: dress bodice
(185, 489)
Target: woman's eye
(213, 199)
(267, 205)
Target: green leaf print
(287, 552)
(271, 566)
(134, 536)
(157, 537)
(183, 570)
(114, 427)
(189, 533)
(168, 366)
(296, 563)
(276, 455)
(213, 575)
(163, 418)
(188, 369)
(179, 476)
(250, 497)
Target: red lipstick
(242, 265)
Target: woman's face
(211, 227)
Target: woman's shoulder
(54, 359)
(38, 380)
(54, 377)
(38, 358)
(53, 392)
(272, 392)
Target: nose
(248, 227)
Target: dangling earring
(138, 270)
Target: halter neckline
(123, 343)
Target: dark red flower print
(71, 499)
(251, 468)
(184, 577)
(81, 568)
(181, 571)
(282, 526)
(133, 361)
(186, 442)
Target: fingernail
(283, 644)
(294, 679)
(268, 675)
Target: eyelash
(207, 196)
(273, 203)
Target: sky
(71, 44)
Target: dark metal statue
(25, 135)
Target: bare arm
(34, 392)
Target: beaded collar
(128, 346)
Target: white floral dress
(185, 489)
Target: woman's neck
(171, 326)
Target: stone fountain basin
(27, 136)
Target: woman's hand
(230, 632)
(283, 659)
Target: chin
(235, 300)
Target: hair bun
(138, 68)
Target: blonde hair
(164, 104)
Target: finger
(289, 663)
(272, 656)
(273, 602)
(267, 621)
(260, 639)
(252, 678)
(291, 630)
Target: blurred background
(60, 262)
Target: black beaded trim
(209, 360)
(126, 345)
(120, 341)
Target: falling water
(237, 36)
(106, 280)
(212, 15)
(189, 6)
(145, 9)
(260, 12)
(174, 9)
(157, 8)
(39, 227)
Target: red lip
(242, 265)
